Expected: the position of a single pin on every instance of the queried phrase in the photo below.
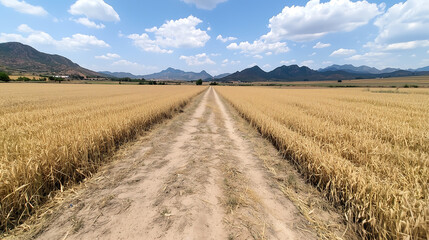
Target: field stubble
(52, 136)
(366, 150)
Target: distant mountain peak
(176, 74)
(361, 69)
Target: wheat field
(54, 135)
(366, 149)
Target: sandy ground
(205, 174)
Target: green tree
(4, 77)
(199, 82)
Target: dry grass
(366, 150)
(399, 82)
(52, 135)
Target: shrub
(4, 77)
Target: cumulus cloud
(94, 9)
(172, 34)
(199, 59)
(315, 19)
(34, 37)
(226, 62)
(343, 52)
(89, 23)
(205, 4)
(23, 7)
(259, 46)
(404, 25)
(226, 39)
(144, 42)
(321, 45)
(307, 63)
(366, 56)
(108, 56)
(24, 28)
(258, 56)
(309, 22)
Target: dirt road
(205, 174)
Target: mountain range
(362, 69)
(176, 74)
(296, 73)
(19, 58)
(168, 74)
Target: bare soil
(205, 174)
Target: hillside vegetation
(54, 135)
(366, 150)
(20, 58)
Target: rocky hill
(19, 58)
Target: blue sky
(221, 36)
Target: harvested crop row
(349, 144)
(53, 135)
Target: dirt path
(206, 174)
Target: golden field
(53, 135)
(394, 82)
(366, 149)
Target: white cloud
(75, 42)
(288, 62)
(226, 62)
(269, 53)
(226, 39)
(81, 41)
(314, 53)
(404, 22)
(94, 9)
(259, 46)
(321, 45)
(343, 52)
(24, 28)
(146, 44)
(428, 51)
(89, 23)
(215, 54)
(266, 66)
(199, 59)
(172, 34)
(205, 4)
(108, 56)
(258, 56)
(124, 63)
(307, 63)
(366, 56)
(315, 19)
(407, 45)
(23, 7)
(402, 27)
